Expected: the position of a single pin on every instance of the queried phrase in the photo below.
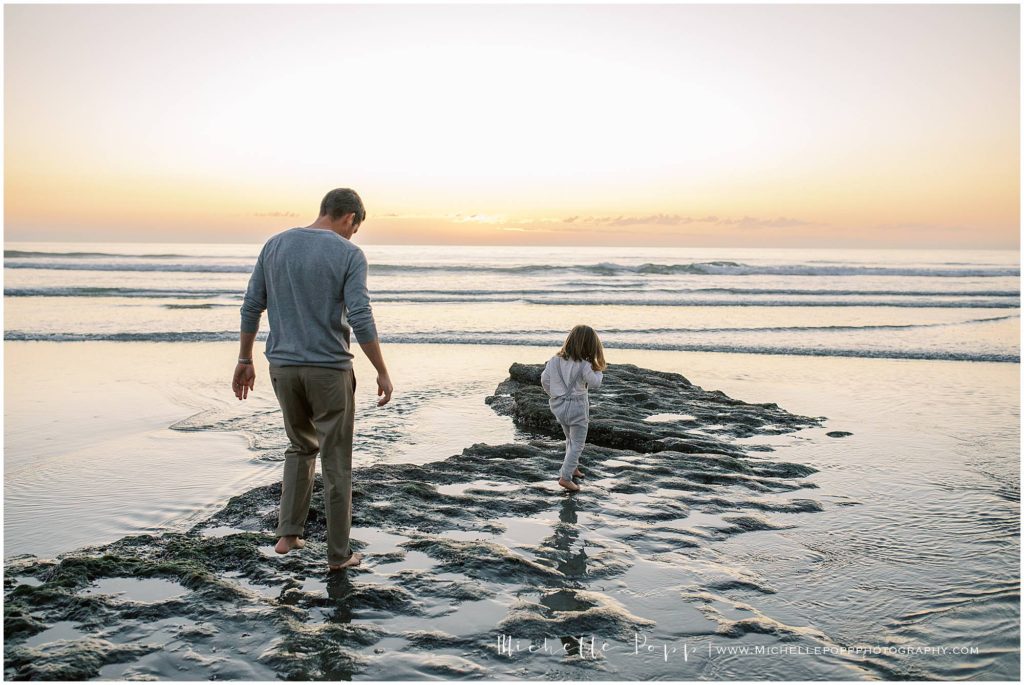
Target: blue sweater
(312, 282)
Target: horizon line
(532, 245)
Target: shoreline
(224, 338)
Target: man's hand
(244, 380)
(384, 388)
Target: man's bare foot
(578, 474)
(568, 485)
(351, 561)
(289, 542)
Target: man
(312, 282)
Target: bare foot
(568, 485)
(289, 542)
(578, 474)
(351, 561)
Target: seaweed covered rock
(217, 602)
(648, 411)
(483, 527)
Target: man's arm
(244, 378)
(360, 317)
(245, 341)
(384, 387)
(253, 305)
(358, 312)
(255, 301)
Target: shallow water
(916, 544)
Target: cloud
(275, 214)
(920, 227)
(647, 220)
(579, 223)
(610, 223)
(481, 218)
(777, 222)
(457, 217)
(678, 220)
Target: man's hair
(341, 201)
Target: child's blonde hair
(583, 344)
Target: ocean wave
(940, 304)
(90, 291)
(541, 297)
(549, 340)
(152, 336)
(80, 255)
(442, 295)
(711, 268)
(683, 302)
(618, 287)
(803, 329)
(105, 266)
(830, 292)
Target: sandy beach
(900, 531)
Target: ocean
(922, 304)
(120, 420)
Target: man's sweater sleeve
(357, 300)
(255, 300)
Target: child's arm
(593, 378)
(545, 378)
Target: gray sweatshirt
(557, 368)
(312, 282)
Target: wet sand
(720, 524)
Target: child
(566, 377)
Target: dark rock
(838, 434)
(695, 420)
(62, 660)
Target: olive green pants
(317, 404)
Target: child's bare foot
(351, 561)
(578, 474)
(568, 485)
(289, 542)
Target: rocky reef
(648, 411)
(457, 553)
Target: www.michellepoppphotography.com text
(591, 646)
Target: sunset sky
(702, 125)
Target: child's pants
(575, 437)
(573, 414)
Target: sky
(847, 125)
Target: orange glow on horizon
(571, 123)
